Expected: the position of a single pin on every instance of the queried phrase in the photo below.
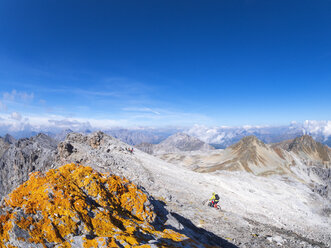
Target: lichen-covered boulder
(75, 206)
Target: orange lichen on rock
(75, 206)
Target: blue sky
(159, 63)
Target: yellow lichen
(74, 200)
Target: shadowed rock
(25, 156)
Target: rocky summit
(75, 206)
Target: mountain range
(219, 137)
(222, 137)
(251, 177)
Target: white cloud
(16, 116)
(72, 124)
(206, 134)
(3, 107)
(25, 96)
(9, 96)
(143, 109)
(18, 96)
(14, 122)
(317, 127)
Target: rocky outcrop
(75, 206)
(25, 156)
(324, 186)
(103, 153)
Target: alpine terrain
(107, 196)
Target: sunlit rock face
(75, 206)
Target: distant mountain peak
(183, 142)
(304, 140)
(176, 143)
(247, 142)
(9, 139)
(182, 135)
(306, 144)
(249, 154)
(42, 135)
(251, 138)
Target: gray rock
(24, 157)
(324, 174)
(9, 139)
(4, 145)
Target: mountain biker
(215, 199)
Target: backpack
(217, 197)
